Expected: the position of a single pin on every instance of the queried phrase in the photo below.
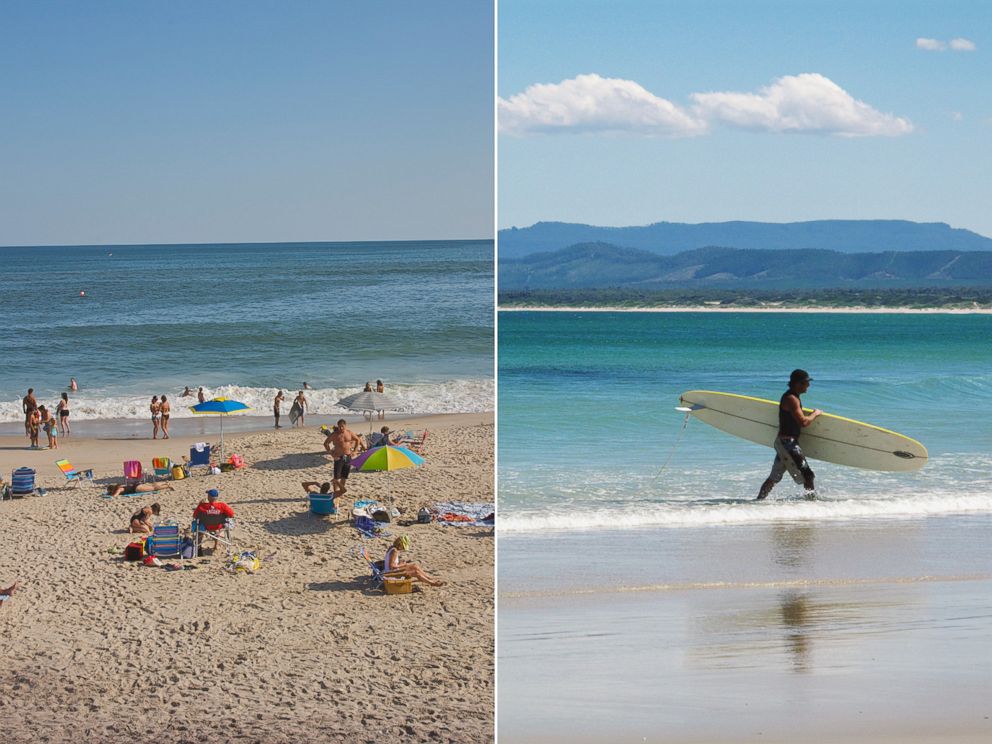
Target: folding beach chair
(71, 474)
(199, 454)
(414, 442)
(162, 467)
(215, 526)
(376, 567)
(132, 471)
(165, 542)
(22, 484)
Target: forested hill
(602, 265)
(667, 238)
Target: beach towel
(461, 514)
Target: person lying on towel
(141, 520)
(393, 566)
(129, 489)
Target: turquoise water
(587, 418)
(245, 320)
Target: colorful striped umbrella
(221, 407)
(386, 458)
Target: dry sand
(101, 650)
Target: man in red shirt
(213, 508)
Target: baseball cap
(213, 493)
(800, 375)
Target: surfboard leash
(671, 454)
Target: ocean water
(589, 438)
(242, 321)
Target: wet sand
(856, 632)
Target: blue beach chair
(166, 542)
(199, 455)
(376, 567)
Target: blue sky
(143, 122)
(774, 111)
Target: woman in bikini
(156, 409)
(393, 566)
(166, 407)
(63, 411)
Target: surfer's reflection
(795, 609)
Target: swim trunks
(789, 456)
(342, 468)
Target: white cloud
(590, 103)
(800, 103)
(930, 45)
(936, 45)
(809, 103)
(957, 116)
(962, 45)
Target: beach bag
(381, 515)
(237, 461)
(188, 547)
(178, 473)
(134, 551)
(424, 516)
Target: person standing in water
(73, 385)
(791, 421)
(62, 409)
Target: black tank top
(787, 424)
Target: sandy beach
(110, 650)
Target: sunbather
(141, 520)
(393, 566)
(128, 489)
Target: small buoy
(82, 294)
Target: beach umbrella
(386, 458)
(220, 407)
(370, 401)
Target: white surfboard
(830, 438)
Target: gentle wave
(451, 396)
(735, 512)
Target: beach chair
(22, 484)
(204, 525)
(165, 542)
(162, 467)
(376, 567)
(133, 472)
(71, 474)
(199, 454)
(414, 442)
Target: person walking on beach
(156, 408)
(166, 410)
(791, 421)
(276, 405)
(344, 443)
(300, 406)
(62, 410)
(29, 405)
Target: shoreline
(711, 309)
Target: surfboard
(295, 412)
(829, 438)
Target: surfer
(300, 407)
(791, 421)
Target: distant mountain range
(603, 265)
(668, 238)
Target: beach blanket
(461, 514)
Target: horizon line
(249, 242)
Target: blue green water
(587, 422)
(245, 320)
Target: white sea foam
(451, 396)
(701, 514)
